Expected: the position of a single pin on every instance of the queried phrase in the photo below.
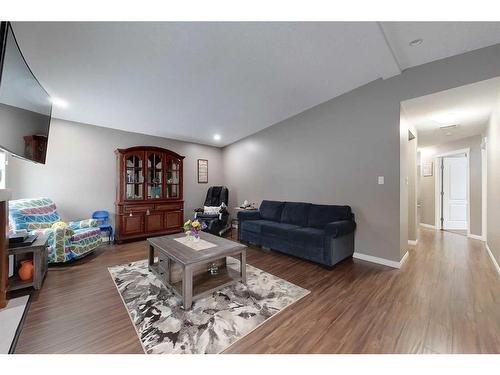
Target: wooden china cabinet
(35, 147)
(149, 197)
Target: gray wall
(333, 153)
(80, 171)
(428, 183)
(493, 176)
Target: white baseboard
(428, 226)
(413, 243)
(370, 258)
(495, 263)
(475, 237)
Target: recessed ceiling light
(217, 137)
(58, 102)
(416, 42)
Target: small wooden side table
(40, 264)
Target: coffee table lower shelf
(203, 284)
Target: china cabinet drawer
(141, 208)
(169, 206)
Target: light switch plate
(380, 180)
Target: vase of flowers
(193, 229)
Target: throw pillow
(211, 210)
(59, 224)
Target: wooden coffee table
(186, 270)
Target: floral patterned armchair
(64, 242)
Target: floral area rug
(213, 323)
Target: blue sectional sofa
(320, 233)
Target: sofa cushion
(254, 226)
(278, 229)
(321, 214)
(271, 210)
(295, 213)
(308, 237)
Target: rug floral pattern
(213, 323)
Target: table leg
(243, 266)
(45, 260)
(169, 264)
(187, 287)
(151, 255)
(38, 266)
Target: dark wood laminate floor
(445, 299)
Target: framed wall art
(202, 171)
(427, 169)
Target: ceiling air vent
(448, 128)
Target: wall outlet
(380, 180)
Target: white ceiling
(440, 39)
(192, 80)
(469, 107)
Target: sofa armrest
(340, 228)
(248, 215)
(88, 223)
(198, 210)
(55, 232)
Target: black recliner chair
(217, 223)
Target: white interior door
(455, 192)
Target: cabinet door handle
(147, 213)
(130, 214)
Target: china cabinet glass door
(154, 176)
(134, 180)
(172, 178)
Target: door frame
(437, 186)
(484, 189)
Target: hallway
(456, 290)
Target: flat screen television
(25, 106)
